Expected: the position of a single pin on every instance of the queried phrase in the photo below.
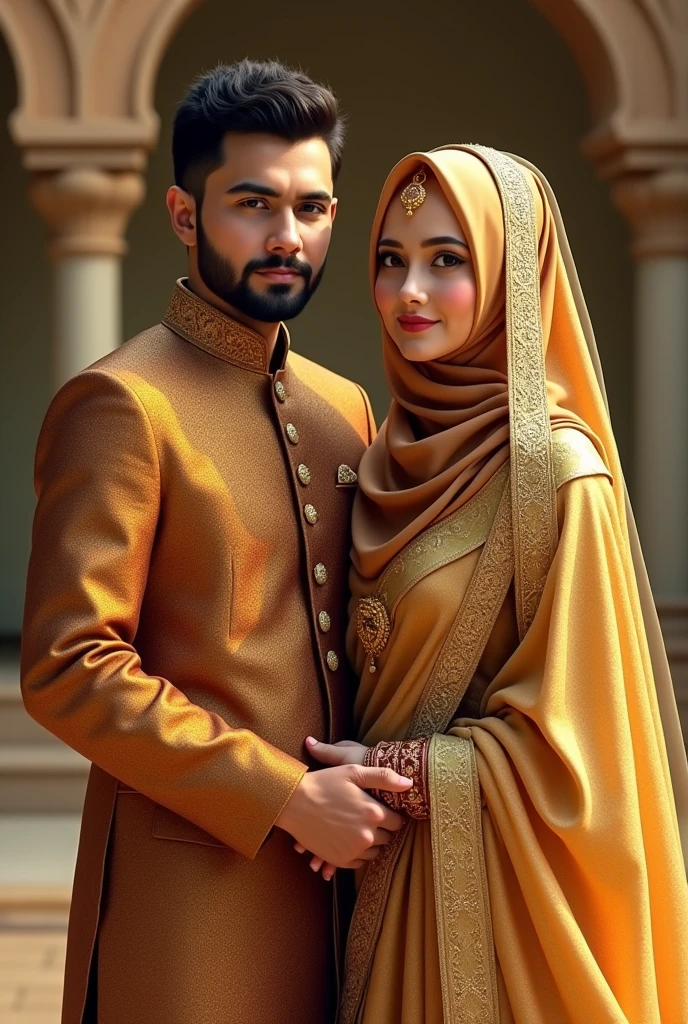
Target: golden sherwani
(184, 631)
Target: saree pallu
(548, 884)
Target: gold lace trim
(453, 671)
(205, 326)
(467, 639)
(574, 456)
(532, 474)
(445, 542)
(466, 950)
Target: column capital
(656, 206)
(86, 209)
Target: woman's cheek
(458, 298)
(386, 295)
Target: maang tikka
(414, 194)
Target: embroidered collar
(208, 328)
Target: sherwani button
(292, 433)
(332, 661)
(310, 514)
(324, 621)
(280, 391)
(304, 474)
(320, 573)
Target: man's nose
(287, 237)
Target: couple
(503, 766)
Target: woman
(505, 637)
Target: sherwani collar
(220, 335)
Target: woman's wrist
(408, 758)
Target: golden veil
(489, 749)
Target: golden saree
(548, 884)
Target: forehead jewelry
(414, 194)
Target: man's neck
(267, 331)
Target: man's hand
(331, 754)
(330, 814)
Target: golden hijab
(448, 430)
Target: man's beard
(275, 304)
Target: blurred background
(595, 95)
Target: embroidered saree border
(532, 475)
(445, 542)
(453, 671)
(464, 932)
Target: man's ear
(334, 206)
(182, 209)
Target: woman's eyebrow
(443, 240)
(391, 243)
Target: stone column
(87, 210)
(656, 206)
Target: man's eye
(447, 259)
(254, 204)
(390, 259)
(312, 208)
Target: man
(186, 595)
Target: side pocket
(168, 825)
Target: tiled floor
(31, 967)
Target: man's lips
(280, 275)
(414, 324)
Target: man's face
(265, 225)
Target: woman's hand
(331, 754)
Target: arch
(86, 77)
(633, 58)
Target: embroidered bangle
(409, 758)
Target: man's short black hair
(253, 97)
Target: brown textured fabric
(447, 430)
(171, 636)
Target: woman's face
(425, 284)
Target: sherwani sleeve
(100, 495)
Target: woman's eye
(390, 259)
(447, 259)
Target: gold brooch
(414, 194)
(346, 475)
(373, 627)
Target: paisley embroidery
(211, 330)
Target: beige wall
(452, 78)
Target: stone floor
(37, 855)
(31, 968)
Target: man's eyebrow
(391, 243)
(443, 240)
(323, 197)
(253, 186)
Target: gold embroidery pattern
(455, 666)
(211, 330)
(451, 538)
(574, 456)
(534, 493)
(466, 951)
(471, 629)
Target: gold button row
(311, 515)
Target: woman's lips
(414, 324)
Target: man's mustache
(278, 262)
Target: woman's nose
(412, 291)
